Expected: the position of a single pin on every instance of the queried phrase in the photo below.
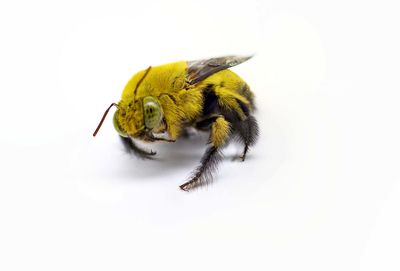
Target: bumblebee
(160, 103)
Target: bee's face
(135, 119)
(122, 132)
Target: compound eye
(152, 112)
(120, 131)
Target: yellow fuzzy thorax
(167, 78)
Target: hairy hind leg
(247, 133)
(220, 132)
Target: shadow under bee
(182, 155)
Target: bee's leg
(152, 138)
(247, 133)
(132, 148)
(163, 139)
(220, 132)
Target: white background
(320, 191)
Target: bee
(160, 103)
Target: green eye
(116, 125)
(152, 112)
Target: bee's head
(138, 118)
(135, 118)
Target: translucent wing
(198, 70)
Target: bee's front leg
(152, 138)
(220, 132)
(131, 147)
